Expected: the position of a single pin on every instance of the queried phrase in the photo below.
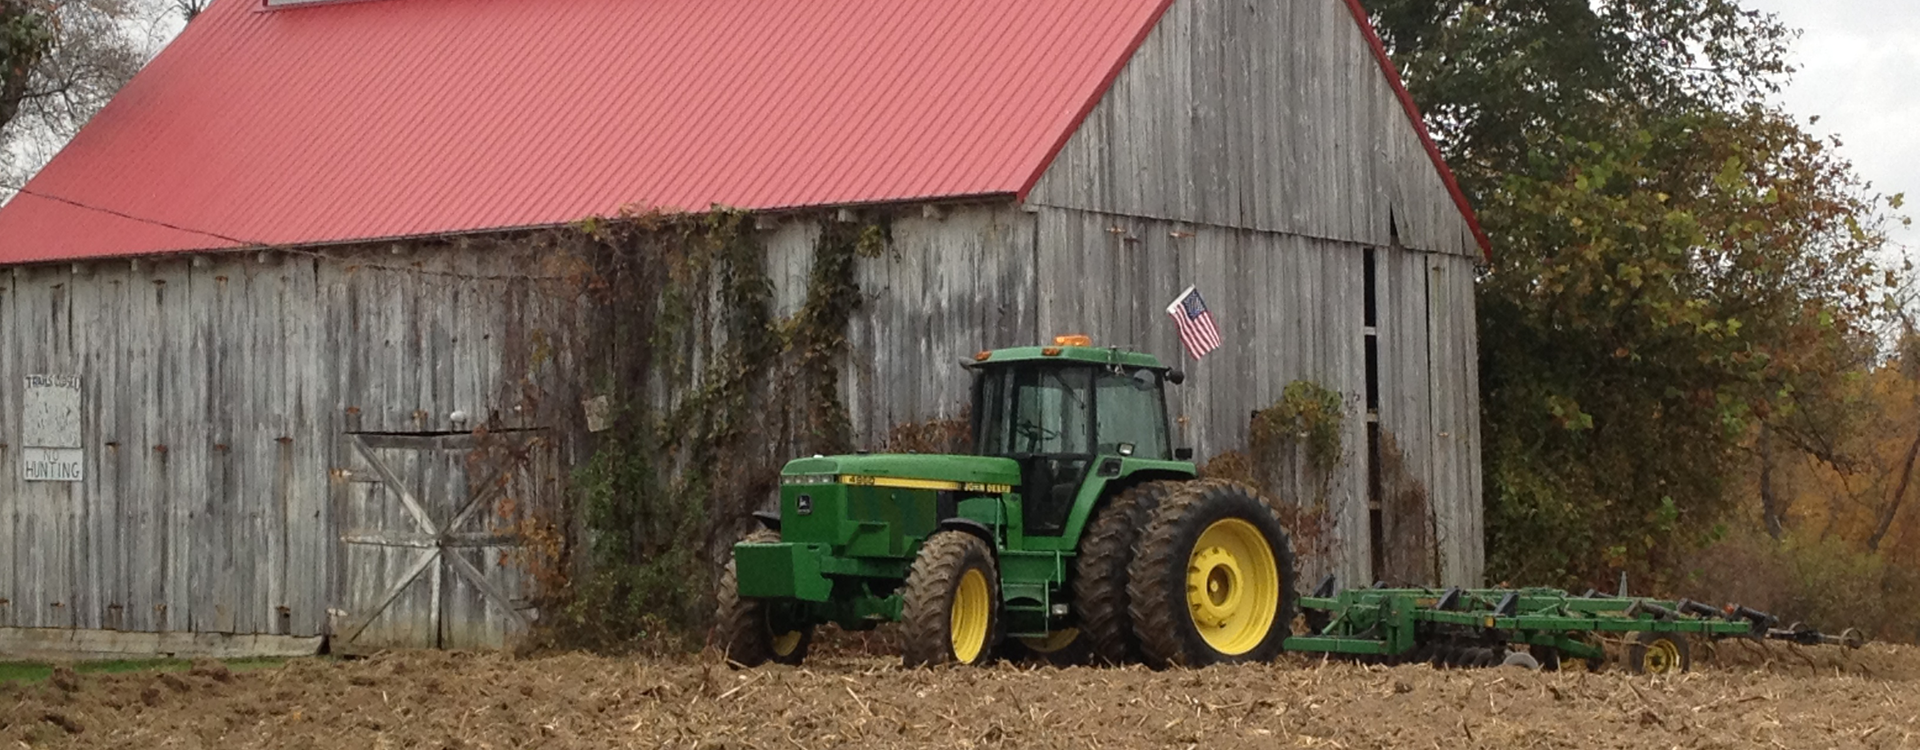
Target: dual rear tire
(1170, 573)
(1211, 580)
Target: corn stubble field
(1765, 696)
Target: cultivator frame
(1421, 624)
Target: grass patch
(32, 671)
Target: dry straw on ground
(1771, 697)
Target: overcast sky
(1858, 61)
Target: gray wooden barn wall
(1259, 114)
(1291, 308)
(1288, 308)
(217, 390)
(1430, 404)
(215, 393)
(947, 288)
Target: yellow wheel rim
(1233, 586)
(1054, 641)
(971, 611)
(784, 644)
(1663, 656)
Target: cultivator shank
(1483, 627)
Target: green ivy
(1308, 415)
(693, 300)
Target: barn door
(433, 553)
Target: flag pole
(1186, 363)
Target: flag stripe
(1197, 331)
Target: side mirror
(1176, 377)
(1183, 454)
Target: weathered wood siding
(214, 393)
(1288, 307)
(220, 397)
(1259, 114)
(1291, 308)
(1256, 150)
(1454, 364)
(1430, 410)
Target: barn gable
(1269, 116)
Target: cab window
(1133, 410)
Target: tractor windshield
(1036, 410)
(1026, 410)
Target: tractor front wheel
(950, 611)
(1213, 579)
(746, 626)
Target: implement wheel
(951, 607)
(746, 627)
(1213, 580)
(1659, 653)
(1100, 571)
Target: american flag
(1196, 323)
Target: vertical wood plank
(12, 379)
(1266, 116)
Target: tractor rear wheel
(746, 626)
(1100, 571)
(1659, 653)
(951, 606)
(1212, 581)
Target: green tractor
(1074, 532)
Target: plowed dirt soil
(1779, 697)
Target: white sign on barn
(50, 448)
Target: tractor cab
(1061, 412)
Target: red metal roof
(392, 118)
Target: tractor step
(1025, 612)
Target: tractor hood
(909, 466)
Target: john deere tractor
(1074, 531)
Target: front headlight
(810, 479)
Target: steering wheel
(1034, 433)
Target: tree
(29, 36)
(63, 59)
(1675, 264)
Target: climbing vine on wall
(711, 391)
(1308, 416)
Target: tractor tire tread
(927, 598)
(1100, 572)
(1156, 584)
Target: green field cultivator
(1076, 532)
(1542, 628)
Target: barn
(320, 332)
